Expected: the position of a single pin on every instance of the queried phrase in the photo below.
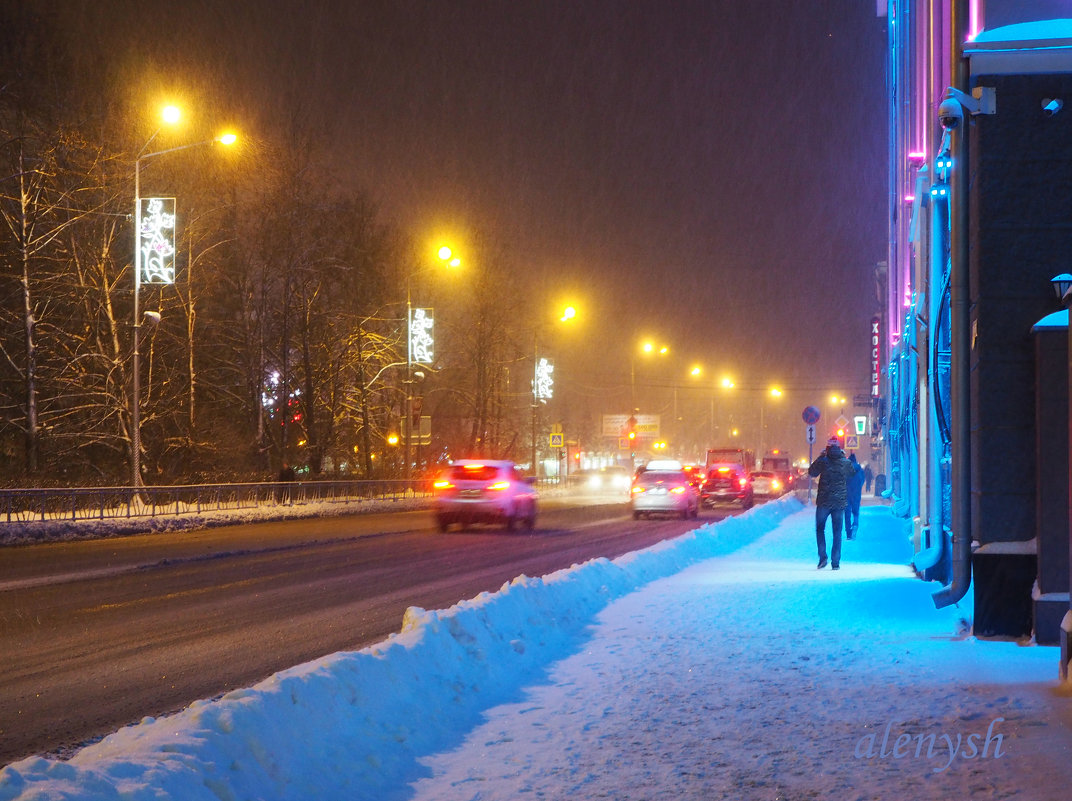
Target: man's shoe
(835, 567)
(822, 564)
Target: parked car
(727, 484)
(663, 491)
(484, 491)
(767, 484)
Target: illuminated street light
(773, 392)
(154, 249)
(420, 347)
(543, 380)
(647, 348)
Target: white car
(766, 484)
(484, 491)
(610, 480)
(664, 491)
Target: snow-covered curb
(353, 725)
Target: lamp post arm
(146, 156)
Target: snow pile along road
(356, 725)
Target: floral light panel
(156, 240)
(544, 385)
(421, 337)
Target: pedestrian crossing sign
(852, 442)
(557, 440)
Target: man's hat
(832, 441)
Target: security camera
(1051, 107)
(950, 113)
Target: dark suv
(727, 483)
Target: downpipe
(959, 325)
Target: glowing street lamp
(420, 347)
(154, 251)
(647, 348)
(773, 392)
(543, 380)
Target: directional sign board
(809, 434)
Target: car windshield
(473, 472)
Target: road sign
(860, 421)
(809, 434)
(841, 422)
(557, 440)
(852, 442)
(811, 415)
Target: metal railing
(103, 503)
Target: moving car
(611, 479)
(663, 491)
(727, 483)
(767, 484)
(484, 491)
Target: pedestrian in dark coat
(869, 476)
(856, 488)
(833, 471)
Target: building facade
(977, 379)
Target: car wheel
(685, 513)
(442, 524)
(636, 515)
(508, 524)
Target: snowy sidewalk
(756, 676)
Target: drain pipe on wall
(953, 119)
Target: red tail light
(677, 490)
(500, 485)
(743, 482)
(442, 484)
(638, 490)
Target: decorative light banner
(421, 339)
(156, 240)
(876, 324)
(544, 385)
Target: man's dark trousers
(837, 521)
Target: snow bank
(356, 724)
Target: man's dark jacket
(833, 471)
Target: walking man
(856, 488)
(833, 471)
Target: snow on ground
(720, 664)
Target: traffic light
(841, 438)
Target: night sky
(709, 173)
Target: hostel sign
(876, 324)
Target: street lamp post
(647, 348)
(773, 392)
(543, 381)
(171, 115)
(418, 343)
